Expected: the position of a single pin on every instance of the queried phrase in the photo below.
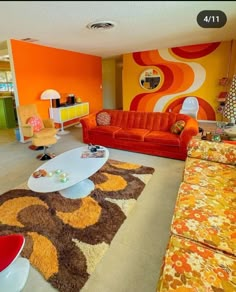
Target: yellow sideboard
(68, 113)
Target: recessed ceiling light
(101, 25)
(30, 40)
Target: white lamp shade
(50, 94)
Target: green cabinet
(7, 114)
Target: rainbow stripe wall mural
(183, 71)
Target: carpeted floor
(66, 238)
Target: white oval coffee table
(71, 165)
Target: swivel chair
(41, 132)
(190, 107)
(14, 270)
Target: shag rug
(66, 238)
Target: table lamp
(50, 94)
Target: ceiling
(140, 25)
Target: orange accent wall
(38, 68)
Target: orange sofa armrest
(190, 130)
(88, 123)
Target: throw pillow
(177, 127)
(103, 119)
(36, 123)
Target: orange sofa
(144, 132)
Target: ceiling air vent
(30, 40)
(101, 25)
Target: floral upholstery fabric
(210, 174)
(192, 267)
(212, 151)
(201, 254)
(207, 216)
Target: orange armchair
(41, 132)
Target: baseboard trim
(207, 121)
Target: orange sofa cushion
(131, 134)
(105, 130)
(166, 138)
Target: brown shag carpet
(66, 238)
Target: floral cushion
(210, 174)
(212, 151)
(103, 119)
(189, 266)
(177, 127)
(207, 216)
(36, 123)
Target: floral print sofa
(201, 253)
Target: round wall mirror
(149, 79)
